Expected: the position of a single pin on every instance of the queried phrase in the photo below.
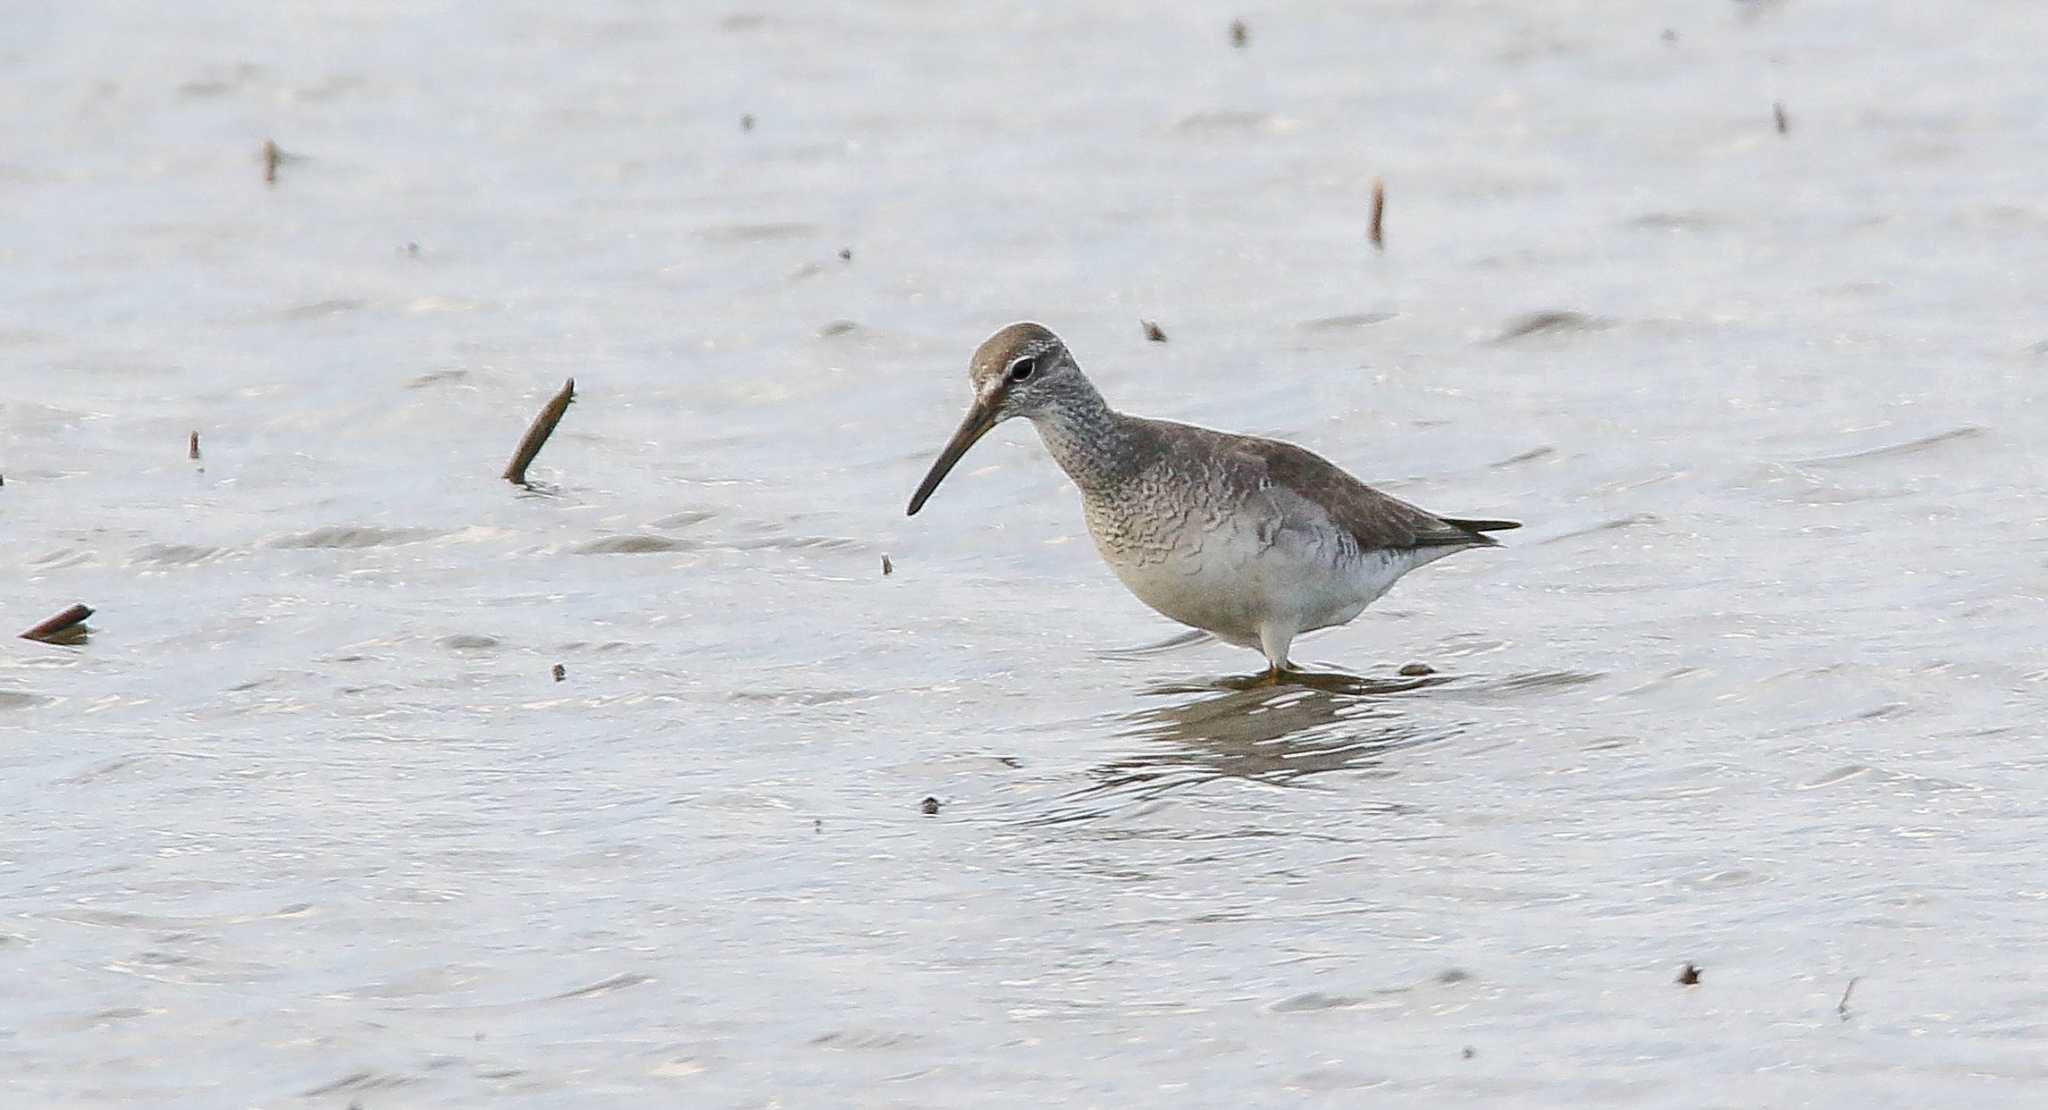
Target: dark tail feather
(1482, 525)
(1477, 529)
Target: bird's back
(1208, 471)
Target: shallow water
(308, 822)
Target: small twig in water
(1778, 114)
(537, 435)
(67, 627)
(888, 568)
(1377, 232)
(1842, 1007)
(1153, 332)
(192, 452)
(272, 156)
(1239, 33)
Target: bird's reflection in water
(1271, 735)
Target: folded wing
(1377, 521)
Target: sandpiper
(1253, 540)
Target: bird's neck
(1093, 443)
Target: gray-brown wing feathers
(1375, 520)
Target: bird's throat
(1092, 442)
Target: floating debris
(1377, 232)
(888, 568)
(846, 254)
(1778, 114)
(747, 122)
(1240, 35)
(561, 672)
(192, 451)
(1689, 976)
(930, 806)
(412, 250)
(1468, 1053)
(537, 435)
(1415, 670)
(1842, 1007)
(273, 157)
(67, 627)
(1153, 332)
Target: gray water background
(308, 823)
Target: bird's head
(1022, 370)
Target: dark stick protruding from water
(66, 627)
(1842, 1007)
(1153, 331)
(561, 672)
(930, 806)
(888, 568)
(1239, 33)
(1778, 114)
(272, 155)
(1689, 977)
(1379, 214)
(192, 452)
(537, 435)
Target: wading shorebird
(1252, 540)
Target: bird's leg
(1273, 641)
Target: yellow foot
(1274, 676)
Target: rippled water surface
(1758, 687)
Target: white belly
(1231, 581)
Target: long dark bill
(979, 420)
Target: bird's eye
(1023, 368)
